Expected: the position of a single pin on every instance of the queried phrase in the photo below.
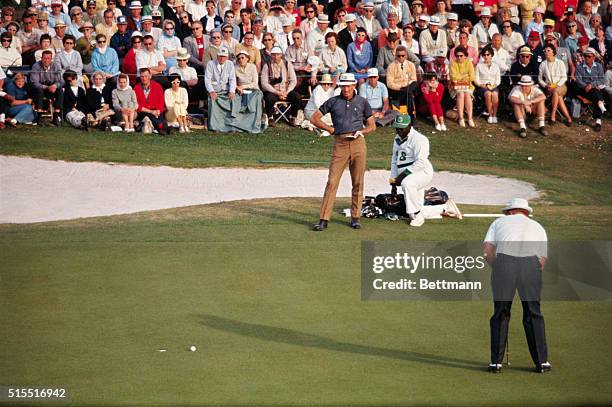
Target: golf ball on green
(193, 348)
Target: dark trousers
(405, 96)
(509, 274)
(595, 96)
(39, 96)
(159, 123)
(293, 98)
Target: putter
(507, 352)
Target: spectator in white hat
(316, 38)
(368, 22)
(526, 98)
(590, 84)
(485, 28)
(399, 7)
(284, 39)
(377, 95)
(135, 17)
(320, 94)
(57, 14)
(189, 76)
(432, 40)
(537, 24)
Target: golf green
(275, 313)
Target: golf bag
(394, 203)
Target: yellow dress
(176, 103)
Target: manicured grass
(566, 167)
(275, 312)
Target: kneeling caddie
(410, 167)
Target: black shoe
(495, 368)
(543, 131)
(355, 224)
(57, 121)
(597, 126)
(322, 225)
(522, 133)
(543, 368)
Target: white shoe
(176, 125)
(461, 123)
(491, 120)
(471, 123)
(418, 220)
(300, 117)
(325, 133)
(187, 130)
(181, 129)
(452, 210)
(443, 127)
(495, 120)
(438, 127)
(264, 120)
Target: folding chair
(281, 111)
(586, 109)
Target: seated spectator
(150, 97)
(75, 101)
(462, 84)
(391, 27)
(593, 25)
(283, 39)
(46, 83)
(526, 98)
(248, 46)
(439, 67)
(211, 20)
(572, 37)
(125, 102)
(45, 45)
(315, 40)
(85, 46)
(359, 55)
(537, 24)
(467, 27)
(386, 55)
(189, 77)
(5, 100)
(76, 16)
(553, 78)
(602, 46)
(409, 42)
(128, 66)
(29, 36)
(472, 52)
(511, 40)
(43, 24)
(169, 44)
(401, 80)
(397, 8)
(549, 29)
(440, 12)
(13, 28)
(195, 44)
(108, 27)
(432, 40)
(177, 100)
(247, 87)
(151, 58)
(319, 95)
(433, 91)
(20, 109)
(525, 65)
(9, 56)
(278, 83)
(154, 5)
(183, 26)
(488, 79)
(564, 55)
(228, 41)
(533, 42)
(99, 102)
(210, 53)
(148, 28)
(590, 84)
(120, 41)
(368, 22)
(377, 95)
(310, 21)
(608, 84)
(68, 58)
(452, 29)
(500, 56)
(105, 59)
(333, 58)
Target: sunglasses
(6, 40)
(99, 42)
(268, 39)
(525, 56)
(487, 55)
(184, 18)
(507, 26)
(215, 37)
(177, 82)
(148, 43)
(241, 57)
(309, 11)
(460, 55)
(136, 42)
(196, 28)
(69, 43)
(169, 28)
(77, 14)
(369, 11)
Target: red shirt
(129, 65)
(200, 43)
(561, 5)
(154, 100)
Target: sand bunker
(34, 190)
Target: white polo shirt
(517, 235)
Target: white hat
(368, 4)
(372, 72)
(440, 53)
(223, 52)
(243, 52)
(485, 12)
(350, 17)
(135, 5)
(276, 50)
(590, 50)
(526, 80)
(182, 53)
(539, 9)
(146, 18)
(434, 20)
(424, 17)
(347, 79)
(323, 18)
(518, 203)
(286, 21)
(326, 78)
(452, 16)
(136, 34)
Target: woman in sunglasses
(177, 100)
(488, 79)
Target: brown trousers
(345, 151)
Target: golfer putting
(349, 112)
(516, 247)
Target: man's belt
(405, 165)
(346, 136)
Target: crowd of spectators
(148, 64)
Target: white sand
(34, 190)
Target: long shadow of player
(292, 337)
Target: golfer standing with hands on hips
(516, 247)
(349, 112)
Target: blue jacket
(107, 62)
(121, 43)
(362, 60)
(585, 76)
